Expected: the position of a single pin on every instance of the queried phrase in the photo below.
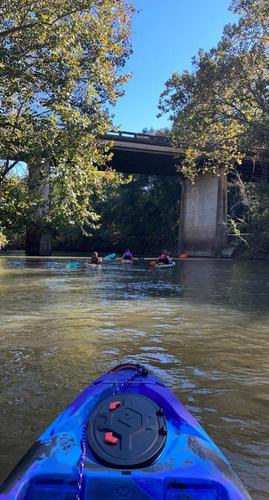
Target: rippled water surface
(203, 327)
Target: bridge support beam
(38, 237)
(203, 219)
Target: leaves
(249, 215)
(220, 111)
(61, 65)
(142, 213)
(3, 240)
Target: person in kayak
(127, 255)
(164, 258)
(95, 259)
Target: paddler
(164, 258)
(127, 255)
(95, 259)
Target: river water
(203, 327)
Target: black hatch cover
(126, 431)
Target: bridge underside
(155, 163)
(139, 162)
(143, 154)
(156, 155)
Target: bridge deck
(148, 154)
(144, 153)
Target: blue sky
(166, 34)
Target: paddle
(73, 265)
(110, 256)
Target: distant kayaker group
(128, 258)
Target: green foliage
(166, 131)
(248, 207)
(14, 209)
(220, 111)
(74, 200)
(3, 240)
(65, 221)
(61, 65)
(141, 214)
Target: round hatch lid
(126, 431)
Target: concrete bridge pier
(203, 219)
(38, 237)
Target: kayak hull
(165, 266)
(189, 464)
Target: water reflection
(202, 327)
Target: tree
(14, 209)
(61, 65)
(248, 205)
(220, 111)
(142, 214)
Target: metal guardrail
(239, 235)
(124, 135)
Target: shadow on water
(202, 327)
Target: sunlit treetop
(62, 65)
(220, 111)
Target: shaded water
(203, 327)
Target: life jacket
(95, 260)
(164, 259)
(127, 256)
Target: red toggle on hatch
(110, 439)
(114, 405)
